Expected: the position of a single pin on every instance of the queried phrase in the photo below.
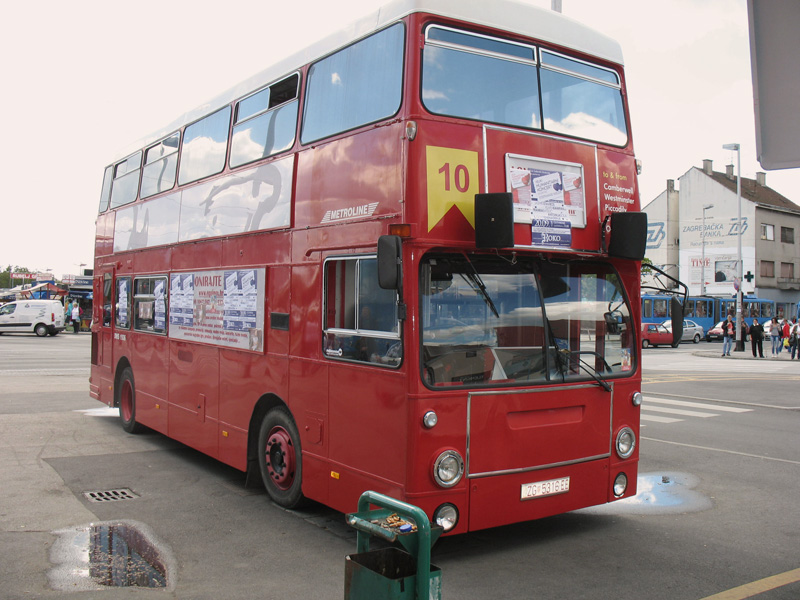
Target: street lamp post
(703, 252)
(739, 339)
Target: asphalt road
(717, 509)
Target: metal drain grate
(110, 495)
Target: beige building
(693, 234)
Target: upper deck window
(105, 194)
(502, 86)
(265, 123)
(126, 180)
(205, 144)
(481, 78)
(161, 163)
(360, 84)
(582, 100)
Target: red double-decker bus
(405, 260)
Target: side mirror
(613, 320)
(390, 262)
(676, 312)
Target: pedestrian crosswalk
(657, 409)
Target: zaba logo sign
(656, 232)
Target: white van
(32, 316)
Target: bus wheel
(280, 458)
(41, 330)
(126, 400)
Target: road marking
(732, 409)
(737, 402)
(657, 419)
(679, 411)
(770, 458)
(749, 590)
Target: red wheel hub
(280, 458)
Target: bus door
(102, 335)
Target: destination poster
(227, 308)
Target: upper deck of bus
(505, 16)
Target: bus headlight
(620, 485)
(626, 442)
(446, 516)
(448, 468)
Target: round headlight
(448, 468)
(626, 442)
(637, 398)
(430, 419)
(446, 516)
(620, 485)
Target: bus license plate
(544, 488)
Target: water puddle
(110, 554)
(662, 493)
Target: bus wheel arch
(275, 446)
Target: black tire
(125, 399)
(696, 338)
(280, 458)
(645, 343)
(41, 330)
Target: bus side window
(360, 317)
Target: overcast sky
(81, 81)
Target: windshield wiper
(476, 283)
(565, 355)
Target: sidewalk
(747, 354)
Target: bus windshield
(493, 321)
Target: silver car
(692, 332)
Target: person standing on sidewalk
(775, 336)
(756, 338)
(76, 317)
(728, 334)
(785, 329)
(793, 331)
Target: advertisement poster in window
(227, 308)
(123, 295)
(549, 195)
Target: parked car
(692, 332)
(41, 317)
(654, 334)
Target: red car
(654, 334)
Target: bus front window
(488, 321)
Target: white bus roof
(505, 15)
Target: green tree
(646, 270)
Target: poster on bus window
(225, 307)
(548, 194)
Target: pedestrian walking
(76, 317)
(793, 338)
(757, 339)
(728, 334)
(775, 336)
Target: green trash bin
(392, 573)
